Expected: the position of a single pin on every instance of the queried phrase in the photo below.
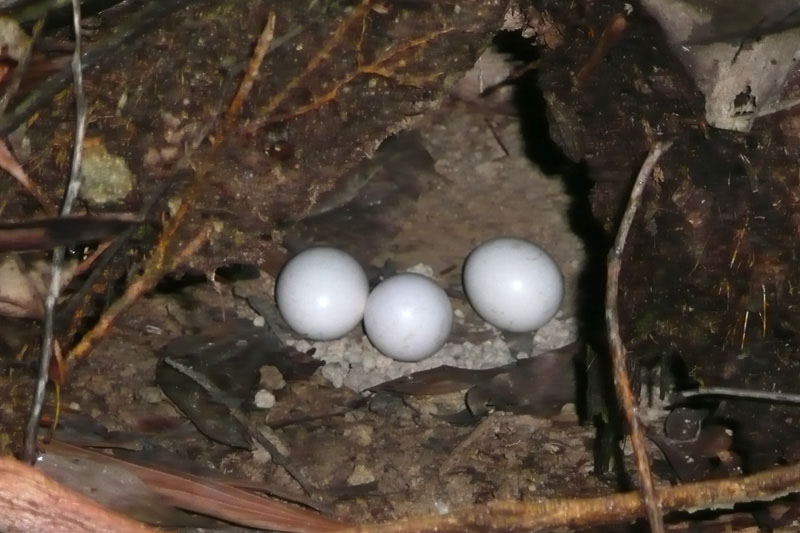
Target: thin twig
(250, 75)
(153, 272)
(357, 14)
(744, 394)
(579, 513)
(74, 185)
(621, 379)
(69, 308)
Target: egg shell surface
(513, 284)
(408, 317)
(321, 293)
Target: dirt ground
(392, 456)
(201, 375)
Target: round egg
(513, 284)
(408, 317)
(321, 293)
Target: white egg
(408, 317)
(321, 293)
(513, 284)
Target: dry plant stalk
(71, 195)
(548, 515)
(262, 46)
(322, 55)
(386, 66)
(622, 382)
(154, 270)
(29, 501)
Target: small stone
(169, 153)
(359, 434)
(271, 378)
(361, 475)
(150, 394)
(151, 158)
(264, 399)
(335, 372)
(422, 269)
(260, 455)
(569, 410)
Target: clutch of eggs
(323, 293)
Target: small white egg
(321, 293)
(513, 284)
(408, 317)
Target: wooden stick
(741, 394)
(549, 515)
(622, 382)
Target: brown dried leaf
(30, 501)
(214, 498)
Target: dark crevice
(542, 149)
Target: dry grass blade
(621, 380)
(235, 505)
(237, 414)
(29, 501)
(729, 392)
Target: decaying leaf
(198, 494)
(541, 385)
(229, 358)
(115, 487)
(31, 501)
